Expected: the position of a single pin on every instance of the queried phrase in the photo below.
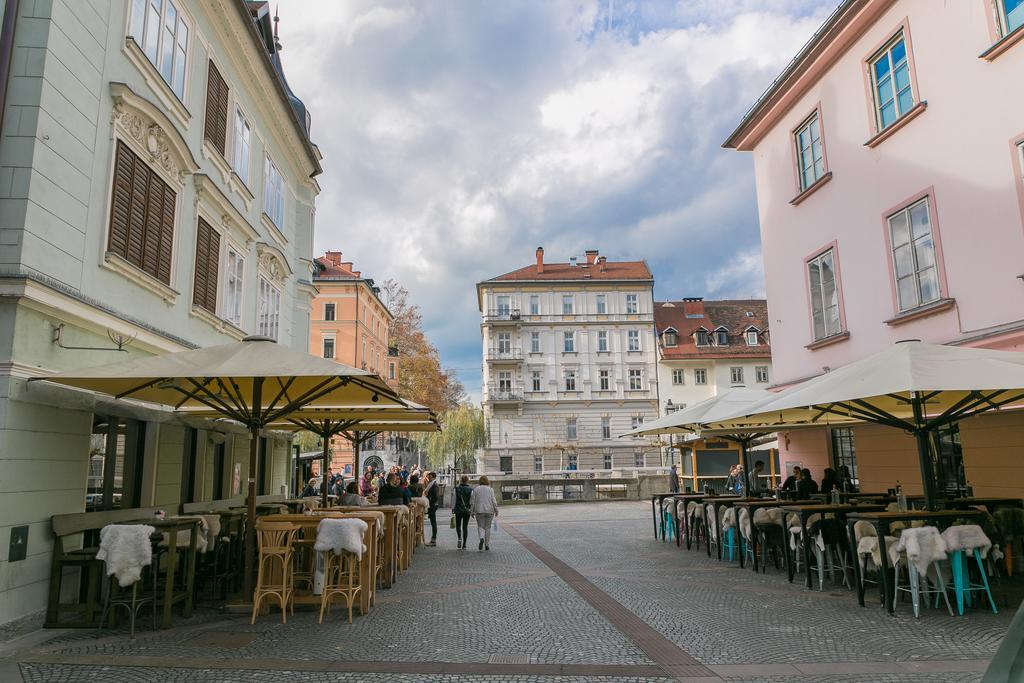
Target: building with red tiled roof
(569, 364)
(706, 347)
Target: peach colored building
(349, 323)
(888, 162)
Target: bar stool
(668, 522)
(961, 541)
(829, 549)
(710, 528)
(727, 521)
(746, 534)
(919, 549)
(275, 547)
(341, 579)
(694, 524)
(867, 547)
(769, 526)
(126, 551)
(796, 537)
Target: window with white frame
(504, 342)
(607, 461)
(240, 156)
(536, 378)
(736, 375)
(535, 342)
(636, 379)
(913, 256)
(632, 305)
(751, 337)
(504, 305)
(505, 382)
(636, 423)
(268, 319)
(890, 79)
(329, 310)
(1010, 14)
(602, 341)
(273, 193)
(534, 304)
(722, 337)
(391, 371)
(671, 338)
(234, 266)
(821, 277)
(538, 463)
(162, 33)
(567, 304)
(606, 427)
(569, 342)
(329, 347)
(703, 338)
(570, 428)
(638, 460)
(570, 380)
(633, 340)
(810, 155)
(761, 371)
(678, 375)
(604, 380)
(602, 304)
(700, 376)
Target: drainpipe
(355, 336)
(6, 51)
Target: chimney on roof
(591, 256)
(356, 273)
(333, 257)
(540, 259)
(601, 263)
(347, 265)
(572, 261)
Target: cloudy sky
(459, 136)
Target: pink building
(888, 160)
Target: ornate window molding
(273, 263)
(151, 133)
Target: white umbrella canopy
(912, 386)
(254, 381)
(694, 418)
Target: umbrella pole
(355, 456)
(745, 460)
(924, 452)
(323, 467)
(254, 444)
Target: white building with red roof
(570, 362)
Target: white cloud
(459, 136)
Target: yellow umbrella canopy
(254, 381)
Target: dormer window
(722, 337)
(670, 337)
(703, 338)
(751, 337)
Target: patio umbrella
(699, 418)
(254, 381)
(912, 386)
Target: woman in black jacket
(433, 500)
(461, 509)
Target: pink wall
(958, 149)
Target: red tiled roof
(686, 317)
(609, 270)
(328, 269)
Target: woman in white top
(484, 506)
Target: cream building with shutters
(158, 187)
(570, 363)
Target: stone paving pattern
(504, 615)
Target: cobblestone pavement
(571, 592)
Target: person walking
(430, 491)
(484, 506)
(461, 509)
(673, 479)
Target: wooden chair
(341, 578)
(276, 547)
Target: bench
(84, 558)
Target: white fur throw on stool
(422, 501)
(212, 532)
(695, 510)
(339, 535)
(967, 537)
(768, 516)
(126, 550)
(745, 530)
(923, 545)
(709, 514)
(728, 518)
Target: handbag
(451, 522)
(494, 524)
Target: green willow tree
(462, 433)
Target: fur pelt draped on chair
(967, 537)
(745, 528)
(709, 515)
(126, 549)
(422, 501)
(867, 541)
(695, 510)
(728, 518)
(209, 539)
(341, 535)
(922, 545)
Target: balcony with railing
(505, 393)
(504, 354)
(502, 314)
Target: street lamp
(669, 409)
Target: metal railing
(503, 314)
(510, 353)
(499, 393)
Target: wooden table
(989, 504)
(804, 512)
(367, 564)
(657, 500)
(172, 526)
(882, 521)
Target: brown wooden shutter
(141, 215)
(207, 264)
(216, 130)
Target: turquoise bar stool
(668, 524)
(962, 542)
